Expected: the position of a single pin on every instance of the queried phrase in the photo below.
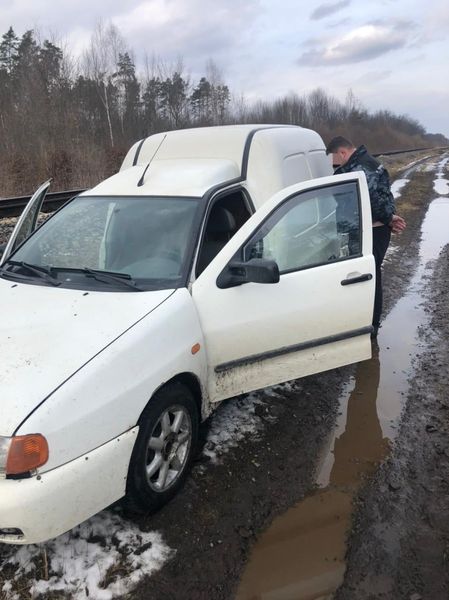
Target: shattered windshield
(146, 238)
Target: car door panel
(261, 334)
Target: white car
(216, 262)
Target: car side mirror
(2, 249)
(256, 270)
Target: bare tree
(101, 60)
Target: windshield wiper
(109, 276)
(41, 272)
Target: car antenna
(141, 180)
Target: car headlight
(22, 453)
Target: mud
(302, 554)
(216, 518)
(399, 546)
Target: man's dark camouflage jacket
(382, 201)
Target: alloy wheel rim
(168, 448)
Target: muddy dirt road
(367, 490)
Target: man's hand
(397, 224)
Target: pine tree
(9, 51)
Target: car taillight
(22, 453)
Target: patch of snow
(443, 162)
(103, 558)
(397, 186)
(414, 162)
(392, 250)
(236, 419)
(441, 186)
(232, 422)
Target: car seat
(219, 230)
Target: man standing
(346, 157)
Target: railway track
(12, 207)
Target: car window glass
(226, 216)
(294, 169)
(320, 164)
(311, 228)
(146, 237)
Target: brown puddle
(301, 555)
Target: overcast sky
(393, 54)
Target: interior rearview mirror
(256, 270)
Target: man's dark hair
(338, 142)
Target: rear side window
(295, 169)
(311, 228)
(320, 164)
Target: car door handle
(357, 279)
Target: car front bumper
(49, 504)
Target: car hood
(47, 334)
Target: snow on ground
(414, 162)
(103, 558)
(440, 184)
(397, 186)
(237, 419)
(392, 249)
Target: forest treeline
(73, 119)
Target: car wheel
(165, 446)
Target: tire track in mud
(399, 545)
(302, 553)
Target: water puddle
(301, 555)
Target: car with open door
(216, 262)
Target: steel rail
(12, 207)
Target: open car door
(318, 315)
(27, 222)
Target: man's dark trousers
(381, 239)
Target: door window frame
(36, 200)
(210, 199)
(239, 255)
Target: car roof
(176, 177)
(188, 162)
(229, 142)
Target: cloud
(370, 76)
(193, 29)
(436, 22)
(361, 44)
(328, 8)
(190, 29)
(63, 16)
(341, 22)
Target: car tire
(164, 449)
